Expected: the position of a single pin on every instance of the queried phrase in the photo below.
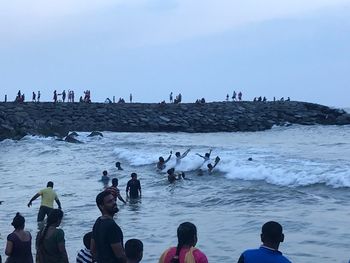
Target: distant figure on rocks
(105, 178)
(240, 96)
(114, 190)
(19, 242)
(107, 237)
(48, 195)
(84, 255)
(118, 166)
(274, 98)
(55, 96)
(134, 250)
(227, 97)
(185, 251)
(113, 99)
(81, 100)
(130, 98)
(108, 100)
(234, 96)
(33, 97)
(171, 97)
(161, 163)
(133, 188)
(63, 95)
(39, 95)
(5, 98)
(282, 99)
(271, 237)
(179, 156)
(288, 99)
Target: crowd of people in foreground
(104, 243)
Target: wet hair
(161, 159)
(207, 155)
(210, 166)
(55, 216)
(186, 235)
(18, 221)
(117, 164)
(49, 184)
(170, 171)
(134, 249)
(133, 175)
(177, 154)
(87, 240)
(115, 181)
(104, 172)
(272, 231)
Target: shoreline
(57, 119)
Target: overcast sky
(296, 48)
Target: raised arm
(185, 153)
(33, 198)
(200, 155)
(168, 157)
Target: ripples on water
(299, 176)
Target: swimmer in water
(179, 156)
(212, 166)
(105, 178)
(161, 163)
(206, 156)
(172, 176)
(118, 166)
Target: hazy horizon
(199, 49)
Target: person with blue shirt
(271, 237)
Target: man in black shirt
(134, 187)
(107, 237)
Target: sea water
(299, 176)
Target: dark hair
(104, 172)
(207, 155)
(134, 249)
(49, 184)
(272, 231)
(133, 174)
(18, 221)
(161, 159)
(186, 235)
(115, 181)
(177, 153)
(100, 198)
(54, 216)
(87, 239)
(170, 171)
(117, 164)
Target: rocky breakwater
(49, 119)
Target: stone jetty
(57, 119)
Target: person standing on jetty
(271, 236)
(185, 252)
(48, 195)
(19, 243)
(133, 188)
(107, 237)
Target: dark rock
(71, 139)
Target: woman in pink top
(185, 252)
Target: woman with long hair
(19, 243)
(185, 252)
(50, 243)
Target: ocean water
(299, 176)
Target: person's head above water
(161, 159)
(105, 173)
(118, 165)
(114, 182)
(171, 171)
(133, 175)
(272, 234)
(18, 221)
(207, 155)
(49, 184)
(177, 154)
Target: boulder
(95, 133)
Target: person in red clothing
(185, 252)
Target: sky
(295, 48)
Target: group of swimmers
(173, 175)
